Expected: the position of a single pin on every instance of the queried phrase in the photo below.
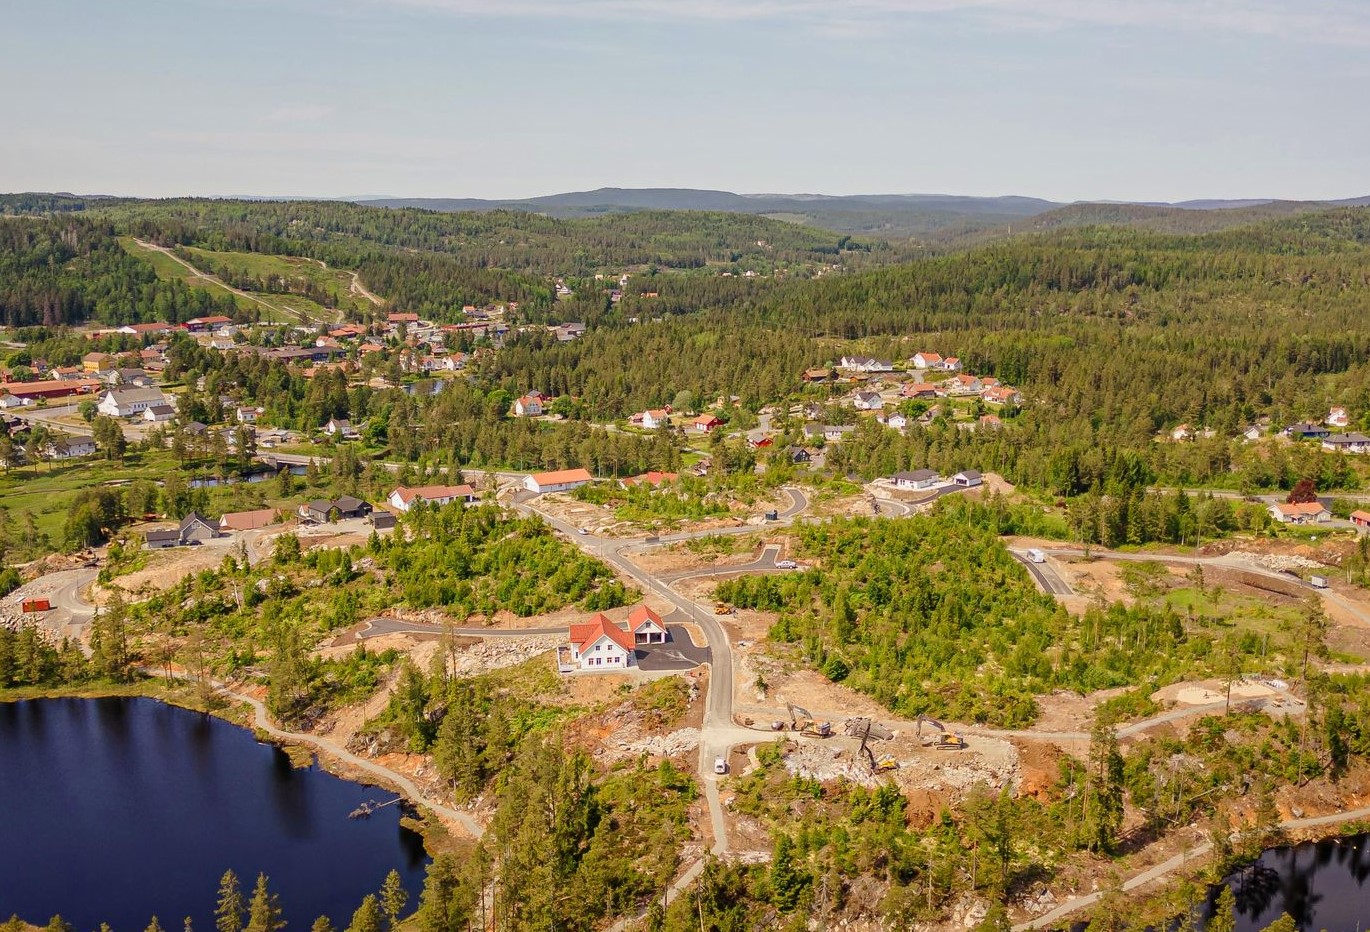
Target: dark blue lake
(1320, 884)
(112, 810)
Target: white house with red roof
(646, 626)
(560, 480)
(528, 406)
(599, 644)
(1299, 512)
(403, 498)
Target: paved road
(1046, 578)
(1174, 863)
(718, 725)
(762, 564)
(70, 612)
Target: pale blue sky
(1065, 99)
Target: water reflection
(114, 809)
(1320, 885)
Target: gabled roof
(247, 520)
(560, 476)
(918, 475)
(652, 478)
(642, 615)
(195, 518)
(1300, 508)
(430, 493)
(585, 635)
(1359, 515)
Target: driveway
(679, 653)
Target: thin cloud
(1336, 22)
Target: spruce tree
(228, 914)
(393, 899)
(264, 913)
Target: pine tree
(228, 914)
(1224, 918)
(154, 926)
(264, 913)
(393, 899)
(322, 924)
(368, 916)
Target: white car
(720, 765)
(786, 565)
(581, 530)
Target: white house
(248, 414)
(126, 402)
(654, 418)
(865, 364)
(965, 385)
(70, 447)
(1346, 443)
(528, 406)
(561, 480)
(403, 498)
(927, 361)
(918, 479)
(968, 478)
(646, 626)
(868, 401)
(1338, 417)
(159, 414)
(600, 644)
(896, 421)
(1301, 513)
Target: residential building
(927, 361)
(964, 384)
(248, 414)
(528, 406)
(814, 376)
(247, 520)
(1346, 443)
(1360, 518)
(992, 421)
(968, 478)
(600, 644)
(561, 480)
(340, 427)
(705, 423)
(207, 324)
(1300, 513)
(1001, 395)
(654, 479)
(896, 421)
(915, 480)
(68, 448)
(159, 414)
(1337, 417)
(654, 418)
(403, 498)
(835, 432)
(918, 390)
(97, 362)
(646, 626)
(868, 401)
(1306, 431)
(865, 364)
(339, 509)
(126, 402)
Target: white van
(1036, 556)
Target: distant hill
(889, 215)
(945, 218)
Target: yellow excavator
(802, 721)
(868, 729)
(944, 740)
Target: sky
(1063, 99)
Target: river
(112, 810)
(1320, 884)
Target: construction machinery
(943, 739)
(802, 721)
(723, 608)
(884, 764)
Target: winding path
(1172, 864)
(262, 720)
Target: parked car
(720, 765)
(786, 565)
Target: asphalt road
(1046, 578)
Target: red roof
(403, 318)
(1301, 508)
(584, 636)
(432, 492)
(560, 476)
(652, 478)
(640, 615)
(1362, 516)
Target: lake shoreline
(182, 694)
